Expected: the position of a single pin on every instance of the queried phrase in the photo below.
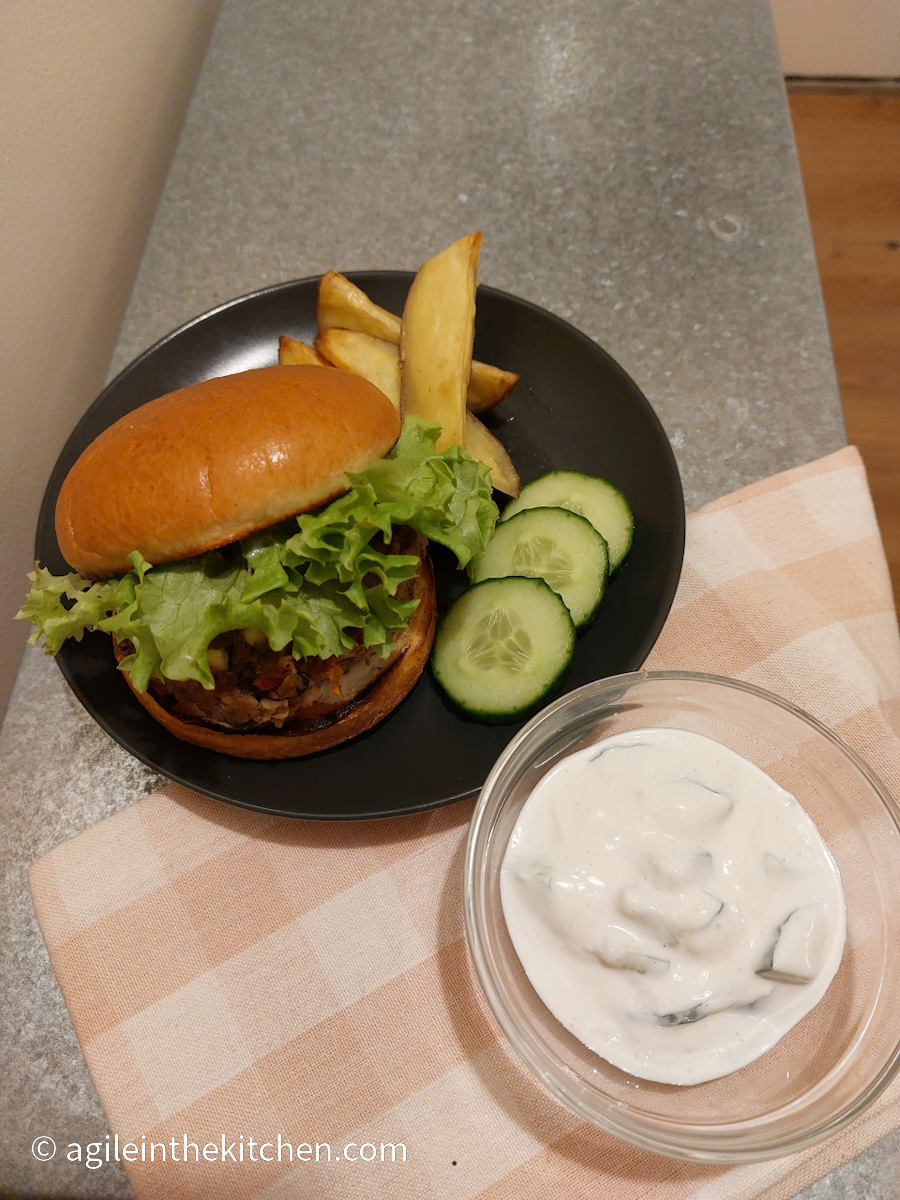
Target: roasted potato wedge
(292, 353)
(373, 359)
(342, 305)
(488, 386)
(486, 448)
(437, 331)
(379, 362)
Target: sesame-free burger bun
(210, 463)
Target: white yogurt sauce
(673, 907)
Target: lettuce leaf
(310, 583)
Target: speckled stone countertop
(632, 169)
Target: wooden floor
(849, 148)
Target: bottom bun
(372, 706)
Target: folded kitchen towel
(244, 985)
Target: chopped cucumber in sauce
(795, 953)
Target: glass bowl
(840, 1057)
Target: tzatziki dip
(671, 904)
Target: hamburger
(256, 546)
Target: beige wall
(834, 38)
(92, 94)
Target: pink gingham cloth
(237, 976)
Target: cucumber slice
(589, 496)
(503, 647)
(555, 545)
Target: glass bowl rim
(723, 1146)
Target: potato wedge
(437, 331)
(488, 386)
(292, 353)
(373, 359)
(379, 362)
(342, 305)
(486, 448)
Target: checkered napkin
(277, 991)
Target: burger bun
(211, 463)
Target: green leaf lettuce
(310, 583)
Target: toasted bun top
(213, 462)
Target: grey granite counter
(632, 169)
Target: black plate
(574, 408)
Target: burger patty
(258, 688)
